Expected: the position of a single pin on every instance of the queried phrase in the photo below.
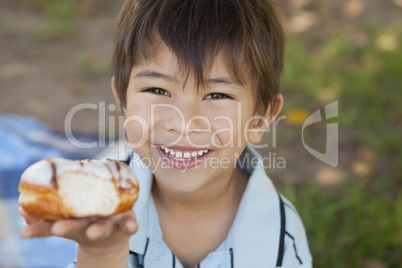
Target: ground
(55, 55)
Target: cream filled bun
(54, 189)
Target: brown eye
(157, 91)
(216, 96)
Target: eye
(157, 91)
(216, 96)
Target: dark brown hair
(249, 33)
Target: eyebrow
(154, 74)
(226, 80)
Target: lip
(182, 164)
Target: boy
(198, 82)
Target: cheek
(252, 129)
(137, 131)
(137, 127)
(227, 130)
(247, 125)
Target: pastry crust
(55, 189)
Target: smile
(183, 155)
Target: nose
(184, 117)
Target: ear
(261, 123)
(116, 93)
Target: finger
(101, 228)
(70, 228)
(39, 229)
(28, 218)
(127, 223)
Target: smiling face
(190, 138)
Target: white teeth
(165, 149)
(187, 155)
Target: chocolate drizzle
(110, 170)
(118, 170)
(131, 188)
(53, 181)
(119, 179)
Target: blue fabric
(24, 141)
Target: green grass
(366, 81)
(361, 218)
(61, 19)
(352, 222)
(91, 66)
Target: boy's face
(189, 138)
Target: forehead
(162, 63)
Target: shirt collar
(257, 222)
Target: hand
(102, 242)
(87, 232)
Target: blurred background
(55, 55)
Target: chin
(184, 184)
